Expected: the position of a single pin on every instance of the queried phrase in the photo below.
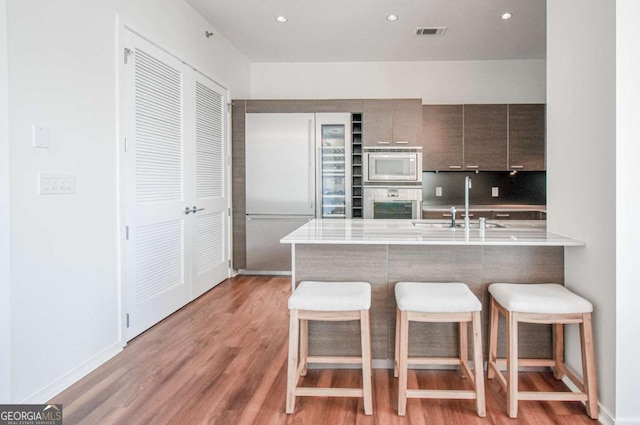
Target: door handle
(193, 210)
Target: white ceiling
(357, 30)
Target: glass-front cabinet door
(333, 171)
(334, 196)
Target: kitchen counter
(384, 252)
(426, 232)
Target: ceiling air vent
(431, 31)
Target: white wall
(64, 249)
(627, 206)
(446, 82)
(5, 364)
(581, 167)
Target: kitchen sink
(458, 225)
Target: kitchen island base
(383, 265)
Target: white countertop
(425, 232)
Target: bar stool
(328, 301)
(438, 302)
(548, 303)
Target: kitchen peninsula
(384, 252)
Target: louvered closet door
(157, 186)
(210, 263)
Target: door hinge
(229, 107)
(127, 52)
(126, 232)
(229, 263)
(127, 319)
(126, 145)
(229, 211)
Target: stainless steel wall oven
(392, 202)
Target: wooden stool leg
(366, 362)
(464, 347)
(478, 364)
(292, 373)
(558, 349)
(402, 366)
(512, 364)
(304, 346)
(588, 366)
(493, 340)
(396, 357)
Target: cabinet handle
(446, 215)
(455, 167)
(472, 166)
(517, 166)
(503, 215)
(402, 142)
(384, 143)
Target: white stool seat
(429, 297)
(546, 298)
(331, 296)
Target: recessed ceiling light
(505, 16)
(392, 18)
(281, 19)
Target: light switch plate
(438, 191)
(495, 192)
(40, 136)
(57, 184)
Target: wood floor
(222, 360)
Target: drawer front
(516, 215)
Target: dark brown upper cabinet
(377, 122)
(391, 122)
(407, 122)
(527, 137)
(442, 137)
(485, 137)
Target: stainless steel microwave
(388, 165)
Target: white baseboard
(604, 416)
(632, 421)
(59, 385)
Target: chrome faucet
(467, 186)
(453, 217)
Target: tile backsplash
(524, 187)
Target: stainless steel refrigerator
(291, 179)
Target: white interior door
(157, 246)
(210, 264)
(175, 194)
